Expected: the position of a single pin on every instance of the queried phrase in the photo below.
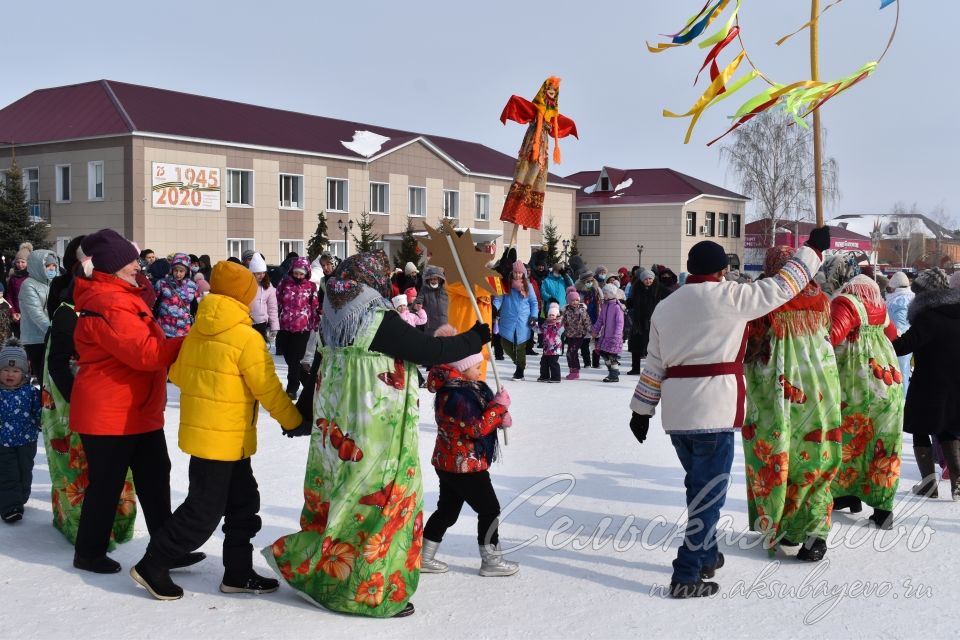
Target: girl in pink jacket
(263, 309)
(414, 319)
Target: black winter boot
(252, 583)
(155, 578)
(103, 564)
(518, 374)
(188, 560)
(882, 518)
(698, 589)
(848, 502)
(708, 572)
(813, 551)
(928, 472)
(951, 451)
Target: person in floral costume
(871, 401)
(358, 550)
(175, 295)
(791, 436)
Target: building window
(63, 182)
(336, 195)
(379, 198)
(290, 246)
(335, 247)
(589, 224)
(62, 242)
(236, 246)
(31, 184)
(735, 225)
(691, 223)
(709, 224)
(604, 183)
(722, 229)
(483, 206)
(240, 188)
(291, 191)
(451, 204)
(418, 201)
(95, 180)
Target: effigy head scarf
(546, 105)
(371, 269)
(865, 289)
(836, 271)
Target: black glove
(819, 239)
(482, 331)
(305, 429)
(639, 425)
(533, 323)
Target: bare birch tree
(772, 159)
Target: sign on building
(183, 186)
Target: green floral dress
(358, 550)
(791, 439)
(68, 467)
(872, 411)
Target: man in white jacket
(695, 365)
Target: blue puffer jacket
(33, 298)
(554, 287)
(19, 416)
(516, 312)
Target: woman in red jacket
(118, 397)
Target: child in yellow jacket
(224, 372)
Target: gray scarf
(340, 327)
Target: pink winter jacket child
(264, 308)
(414, 319)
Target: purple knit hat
(108, 250)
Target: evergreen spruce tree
(15, 223)
(320, 241)
(551, 242)
(573, 248)
(364, 242)
(409, 250)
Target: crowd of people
(812, 362)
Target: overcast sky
(448, 68)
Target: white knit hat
(398, 301)
(258, 264)
(553, 311)
(899, 280)
(610, 291)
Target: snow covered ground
(595, 513)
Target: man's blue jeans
(706, 459)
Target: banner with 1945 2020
(182, 186)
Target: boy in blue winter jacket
(19, 426)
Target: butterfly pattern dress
(791, 434)
(358, 550)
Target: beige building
(661, 210)
(180, 172)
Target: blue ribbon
(885, 3)
(698, 28)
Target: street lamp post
(346, 227)
(640, 255)
(566, 249)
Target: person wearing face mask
(42, 266)
(589, 289)
(298, 308)
(433, 299)
(176, 293)
(518, 315)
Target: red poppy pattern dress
(361, 527)
(791, 437)
(872, 412)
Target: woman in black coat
(933, 398)
(644, 296)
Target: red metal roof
(647, 186)
(108, 107)
(759, 227)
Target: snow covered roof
(894, 226)
(643, 186)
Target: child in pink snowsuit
(411, 318)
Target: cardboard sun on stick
(462, 263)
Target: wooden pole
(476, 309)
(817, 131)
